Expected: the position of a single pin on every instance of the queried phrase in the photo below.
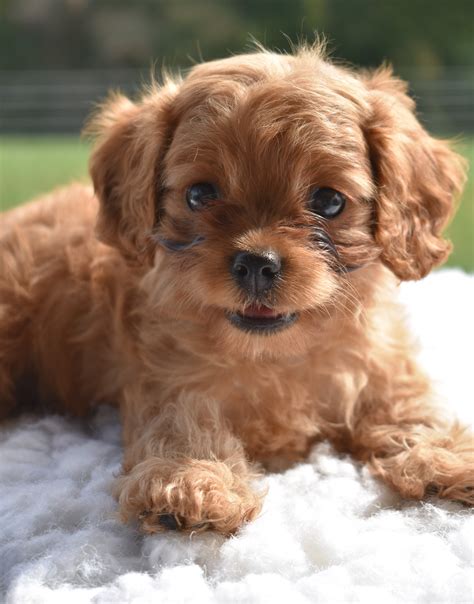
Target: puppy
(231, 286)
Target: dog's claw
(169, 521)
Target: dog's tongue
(259, 312)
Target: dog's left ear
(125, 166)
(418, 179)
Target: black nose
(256, 273)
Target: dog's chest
(274, 408)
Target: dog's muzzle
(256, 275)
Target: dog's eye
(200, 194)
(327, 203)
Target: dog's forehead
(252, 129)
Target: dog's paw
(459, 492)
(189, 495)
(444, 469)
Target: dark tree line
(39, 34)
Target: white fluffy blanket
(328, 531)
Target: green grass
(461, 230)
(30, 166)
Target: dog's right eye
(200, 194)
(327, 203)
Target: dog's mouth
(261, 319)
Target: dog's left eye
(327, 203)
(200, 194)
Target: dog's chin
(262, 320)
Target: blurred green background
(58, 58)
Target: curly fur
(106, 314)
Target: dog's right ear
(125, 166)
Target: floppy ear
(418, 179)
(131, 140)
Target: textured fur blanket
(328, 531)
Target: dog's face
(263, 186)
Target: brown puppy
(238, 304)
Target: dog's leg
(16, 311)
(184, 469)
(408, 443)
